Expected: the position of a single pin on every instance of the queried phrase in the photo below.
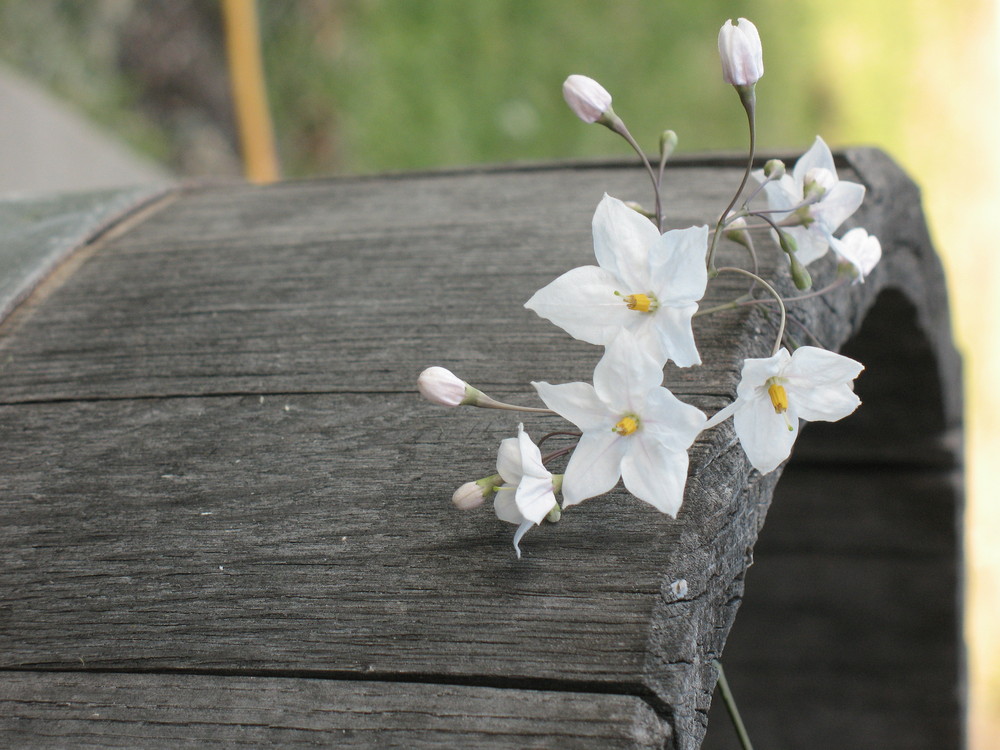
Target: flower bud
(588, 99)
(787, 243)
(741, 53)
(442, 386)
(470, 495)
(736, 231)
(668, 142)
(800, 276)
(774, 169)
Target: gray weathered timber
(168, 711)
(216, 471)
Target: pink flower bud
(442, 386)
(741, 53)
(588, 99)
(470, 495)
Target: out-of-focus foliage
(362, 86)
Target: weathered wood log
(221, 496)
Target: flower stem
(734, 712)
(772, 291)
(486, 402)
(618, 125)
(749, 107)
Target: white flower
(632, 428)
(646, 283)
(588, 99)
(859, 249)
(741, 53)
(833, 200)
(776, 392)
(526, 495)
(442, 386)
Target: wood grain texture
(169, 711)
(215, 460)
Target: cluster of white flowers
(639, 301)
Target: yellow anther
(626, 426)
(779, 397)
(640, 302)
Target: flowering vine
(640, 301)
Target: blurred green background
(363, 86)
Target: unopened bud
(472, 494)
(800, 276)
(668, 142)
(737, 232)
(787, 243)
(774, 169)
(441, 386)
(588, 99)
(741, 53)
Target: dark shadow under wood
(850, 634)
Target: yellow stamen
(779, 398)
(640, 302)
(626, 426)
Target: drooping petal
(583, 303)
(767, 437)
(625, 374)
(675, 335)
(677, 265)
(594, 467)
(622, 239)
(818, 155)
(670, 421)
(519, 534)
(577, 402)
(654, 473)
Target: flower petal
(509, 461)
(675, 336)
(670, 421)
(534, 495)
(782, 195)
(677, 265)
(622, 239)
(654, 473)
(757, 370)
(838, 204)
(764, 434)
(812, 366)
(583, 303)
(818, 155)
(594, 467)
(812, 241)
(519, 534)
(505, 505)
(577, 402)
(625, 374)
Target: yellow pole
(246, 75)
